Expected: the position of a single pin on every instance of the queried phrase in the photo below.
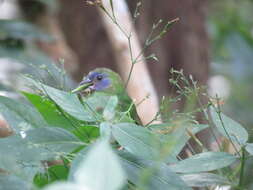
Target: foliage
(85, 143)
(149, 159)
(230, 30)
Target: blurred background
(213, 41)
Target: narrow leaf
(11, 182)
(39, 144)
(137, 140)
(203, 162)
(228, 127)
(204, 180)
(67, 101)
(160, 177)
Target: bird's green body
(115, 86)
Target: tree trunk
(126, 50)
(184, 47)
(40, 15)
(186, 44)
(85, 34)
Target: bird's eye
(99, 77)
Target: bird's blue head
(94, 81)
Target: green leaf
(21, 117)
(80, 156)
(249, 148)
(11, 182)
(109, 111)
(137, 140)
(204, 180)
(203, 162)
(71, 104)
(91, 166)
(49, 111)
(67, 101)
(23, 156)
(24, 170)
(54, 118)
(39, 144)
(150, 175)
(236, 132)
(54, 140)
(177, 139)
(54, 173)
(105, 129)
(3, 87)
(86, 133)
(98, 101)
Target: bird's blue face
(96, 81)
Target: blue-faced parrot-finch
(109, 82)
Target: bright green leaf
(49, 111)
(67, 101)
(53, 173)
(86, 133)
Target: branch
(121, 33)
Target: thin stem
(196, 139)
(242, 168)
(129, 75)
(208, 119)
(154, 119)
(115, 22)
(127, 112)
(190, 147)
(223, 126)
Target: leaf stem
(223, 126)
(243, 159)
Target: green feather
(117, 88)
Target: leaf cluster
(94, 148)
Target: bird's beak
(84, 84)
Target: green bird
(109, 82)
